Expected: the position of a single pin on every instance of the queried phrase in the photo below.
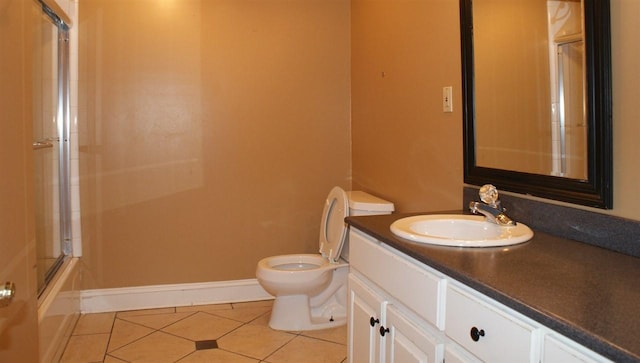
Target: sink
(459, 230)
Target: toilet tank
(364, 204)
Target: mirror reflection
(529, 80)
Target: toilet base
(293, 313)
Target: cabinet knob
(373, 321)
(476, 334)
(383, 330)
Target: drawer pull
(476, 334)
(383, 330)
(373, 321)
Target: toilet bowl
(310, 290)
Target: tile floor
(229, 333)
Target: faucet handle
(489, 194)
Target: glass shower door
(50, 155)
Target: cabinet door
(453, 354)
(365, 318)
(404, 342)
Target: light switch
(447, 101)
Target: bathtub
(59, 310)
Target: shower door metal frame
(63, 24)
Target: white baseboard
(161, 296)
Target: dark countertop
(587, 293)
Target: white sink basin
(459, 230)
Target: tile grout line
(279, 348)
(66, 345)
(106, 348)
(129, 343)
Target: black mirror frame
(597, 190)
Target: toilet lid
(333, 229)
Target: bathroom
(209, 132)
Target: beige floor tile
(254, 341)
(216, 356)
(94, 323)
(336, 335)
(156, 321)
(241, 330)
(122, 314)
(205, 308)
(309, 350)
(262, 320)
(86, 348)
(202, 326)
(156, 348)
(125, 332)
(244, 315)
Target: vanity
(569, 294)
(550, 299)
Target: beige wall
(404, 147)
(625, 32)
(214, 131)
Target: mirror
(536, 78)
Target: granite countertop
(587, 293)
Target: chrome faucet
(491, 207)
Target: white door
(18, 319)
(365, 319)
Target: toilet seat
(292, 263)
(333, 229)
(280, 275)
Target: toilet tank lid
(364, 201)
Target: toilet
(310, 290)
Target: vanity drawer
(558, 349)
(485, 331)
(403, 279)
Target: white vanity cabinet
(381, 329)
(402, 311)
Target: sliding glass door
(50, 142)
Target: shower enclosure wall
(51, 141)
